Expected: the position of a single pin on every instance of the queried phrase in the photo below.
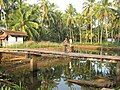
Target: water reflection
(54, 73)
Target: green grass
(106, 44)
(48, 44)
(32, 45)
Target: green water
(53, 73)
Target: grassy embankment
(59, 46)
(38, 45)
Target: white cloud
(31, 1)
(63, 4)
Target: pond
(53, 73)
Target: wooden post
(0, 57)
(27, 55)
(33, 63)
(118, 71)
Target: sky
(63, 4)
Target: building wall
(20, 39)
(12, 40)
(4, 42)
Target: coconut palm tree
(2, 14)
(44, 9)
(115, 23)
(20, 19)
(116, 3)
(104, 14)
(89, 12)
(46, 18)
(79, 22)
(1, 4)
(7, 7)
(70, 13)
(56, 26)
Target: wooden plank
(94, 83)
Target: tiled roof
(3, 36)
(12, 33)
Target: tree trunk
(118, 71)
(72, 35)
(86, 35)
(80, 35)
(91, 29)
(112, 35)
(101, 34)
(98, 40)
(106, 30)
(70, 32)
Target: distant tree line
(44, 22)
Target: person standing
(65, 43)
(71, 46)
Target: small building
(8, 37)
(111, 40)
(117, 38)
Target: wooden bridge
(55, 53)
(34, 52)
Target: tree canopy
(44, 21)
